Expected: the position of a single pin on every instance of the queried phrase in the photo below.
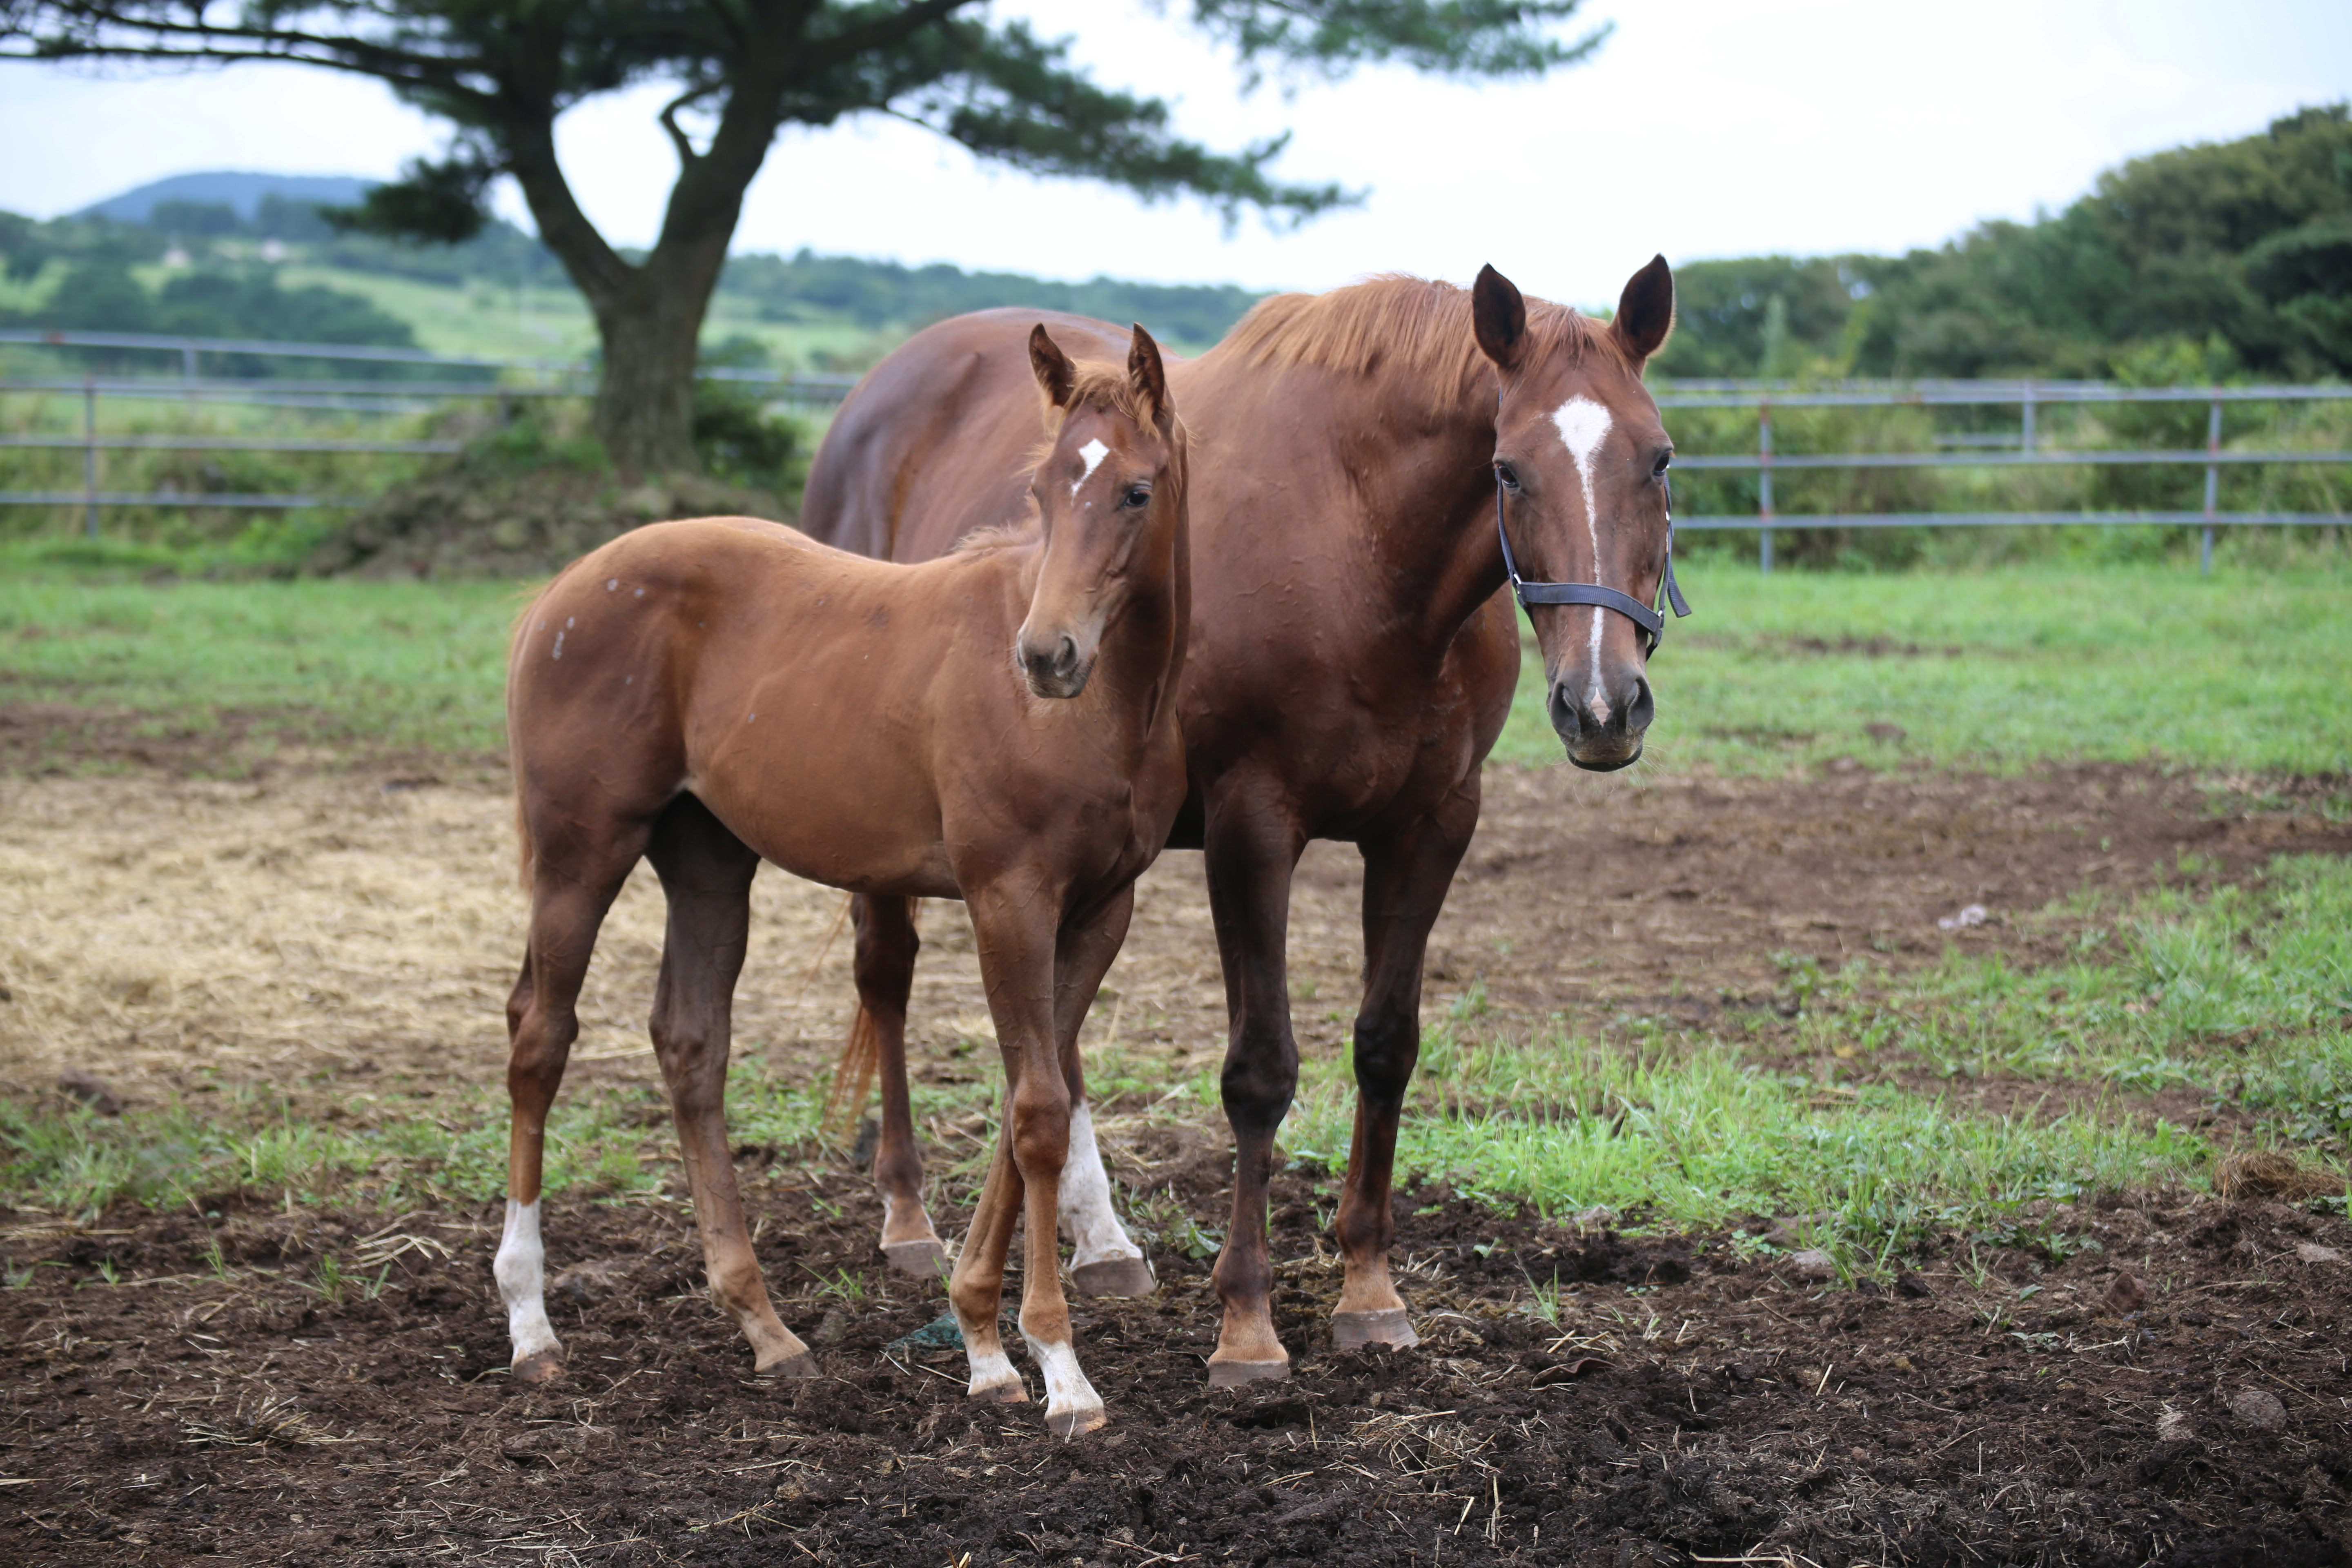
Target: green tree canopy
(500, 72)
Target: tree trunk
(644, 401)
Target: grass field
(1847, 1114)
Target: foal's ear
(1146, 375)
(1645, 311)
(1499, 316)
(1055, 372)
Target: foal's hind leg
(886, 946)
(568, 903)
(1104, 1260)
(705, 872)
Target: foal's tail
(853, 1081)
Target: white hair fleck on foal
(1583, 424)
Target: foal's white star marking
(1582, 424)
(1094, 452)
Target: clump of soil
(473, 521)
(201, 1385)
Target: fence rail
(529, 378)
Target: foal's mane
(1395, 323)
(1103, 386)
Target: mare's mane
(1103, 386)
(1402, 325)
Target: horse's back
(932, 444)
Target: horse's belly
(869, 830)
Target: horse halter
(1649, 618)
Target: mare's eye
(1508, 476)
(1137, 497)
(1666, 461)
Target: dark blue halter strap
(1649, 619)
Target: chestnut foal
(994, 725)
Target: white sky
(1703, 128)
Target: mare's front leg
(572, 884)
(1015, 928)
(886, 946)
(1405, 883)
(1105, 1262)
(705, 872)
(1253, 846)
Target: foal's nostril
(1065, 655)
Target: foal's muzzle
(1601, 729)
(1054, 668)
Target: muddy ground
(2173, 1392)
(182, 1388)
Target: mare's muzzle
(1602, 726)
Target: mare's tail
(853, 1079)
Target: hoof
(1115, 1277)
(539, 1366)
(1012, 1392)
(1233, 1373)
(1072, 1423)
(1392, 1328)
(801, 1365)
(925, 1259)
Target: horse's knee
(1387, 1049)
(1040, 1128)
(1258, 1086)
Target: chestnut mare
(711, 694)
(1351, 665)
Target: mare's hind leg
(568, 903)
(1405, 882)
(1104, 1260)
(886, 946)
(705, 872)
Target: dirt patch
(2169, 1394)
(179, 935)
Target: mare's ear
(1499, 317)
(1055, 372)
(1147, 374)
(1645, 311)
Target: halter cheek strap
(1651, 619)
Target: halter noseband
(1652, 621)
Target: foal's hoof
(1233, 1373)
(1115, 1277)
(1012, 1392)
(1392, 1328)
(801, 1365)
(925, 1259)
(539, 1366)
(1071, 1424)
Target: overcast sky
(1702, 128)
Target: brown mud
(2173, 1391)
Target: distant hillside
(243, 193)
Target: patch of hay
(2268, 1174)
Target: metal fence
(492, 378)
(476, 376)
(2029, 397)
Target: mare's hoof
(1072, 1423)
(801, 1365)
(925, 1259)
(1392, 1328)
(1012, 1392)
(539, 1366)
(1233, 1373)
(1115, 1277)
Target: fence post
(1764, 487)
(2212, 485)
(90, 456)
(2025, 428)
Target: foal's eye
(1508, 476)
(1137, 497)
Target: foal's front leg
(1018, 964)
(1104, 1260)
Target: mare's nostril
(1641, 709)
(1567, 723)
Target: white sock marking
(1067, 1387)
(1094, 452)
(522, 1270)
(1091, 1223)
(1583, 424)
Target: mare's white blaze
(522, 1270)
(1067, 1387)
(1094, 1229)
(1094, 452)
(1583, 424)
